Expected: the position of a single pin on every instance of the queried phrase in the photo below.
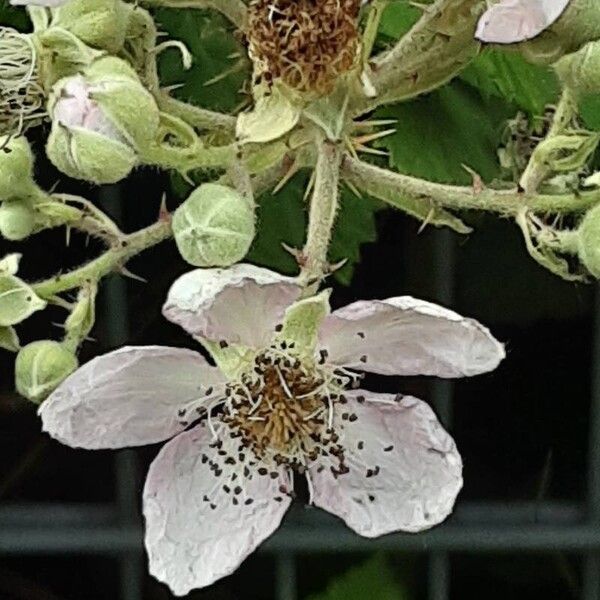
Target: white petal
(46, 3)
(513, 21)
(196, 530)
(240, 305)
(129, 397)
(405, 471)
(404, 336)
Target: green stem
(112, 260)
(537, 170)
(197, 117)
(323, 211)
(185, 160)
(438, 47)
(234, 10)
(383, 183)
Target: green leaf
(215, 51)
(589, 110)
(9, 339)
(17, 300)
(373, 580)
(282, 218)
(439, 133)
(509, 76)
(398, 18)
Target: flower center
(282, 409)
(305, 43)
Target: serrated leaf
(9, 340)
(440, 133)
(215, 51)
(373, 579)
(282, 218)
(510, 77)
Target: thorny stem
(536, 171)
(438, 46)
(112, 260)
(197, 117)
(234, 10)
(383, 183)
(323, 211)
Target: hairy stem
(112, 260)
(438, 47)
(197, 117)
(383, 183)
(323, 211)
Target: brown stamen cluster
(306, 44)
(281, 411)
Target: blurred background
(527, 524)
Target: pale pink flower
(513, 21)
(284, 399)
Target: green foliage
(589, 109)
(509, 76)
(282, 218)
(372, 580)
(215, 51)
(438, 133)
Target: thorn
(287, 176)
(333, 267)
(172, 88)
(374, 123)
(478, 185)
(370, 137)
(368, 150)
(427, 220)
(309, 187)
(297, 254)
(163, 212)
(67, 236)
(354, 189)
(127, 273)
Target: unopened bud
(589, 241)
(41, 367)
(214, 227)
(16, 167)
(17, 219)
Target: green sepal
(81, 320)
(302, 322)
(9, 340)
(232, 359)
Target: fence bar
(117, 326)
(286, 577)
(444, 262)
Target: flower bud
(214, 227)
(41, 367)
(99, 23)
(16, 167)
(17, 219)
(589, 241)
(99, 121)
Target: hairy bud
(581, 71)
(214, 227)
(16, 167)
(589, 241)
(41, 367)
(100, 120)
(17, 219)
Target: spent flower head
(284, 399)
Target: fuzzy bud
(100, 120)
(581, 71)
(41, 367)
(214, 227)
(16, 168)
(17, 219)
(100, 23)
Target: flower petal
(404, 469)
(404, 336)
(513, 21)
(203, 516)
(129, 397)
(45, 3)
(240, 305)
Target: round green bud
(17, 219)
(214, 227)
(16, 167)
(588, 242)
(41, 367)
(99, 23)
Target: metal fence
(114, 529)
